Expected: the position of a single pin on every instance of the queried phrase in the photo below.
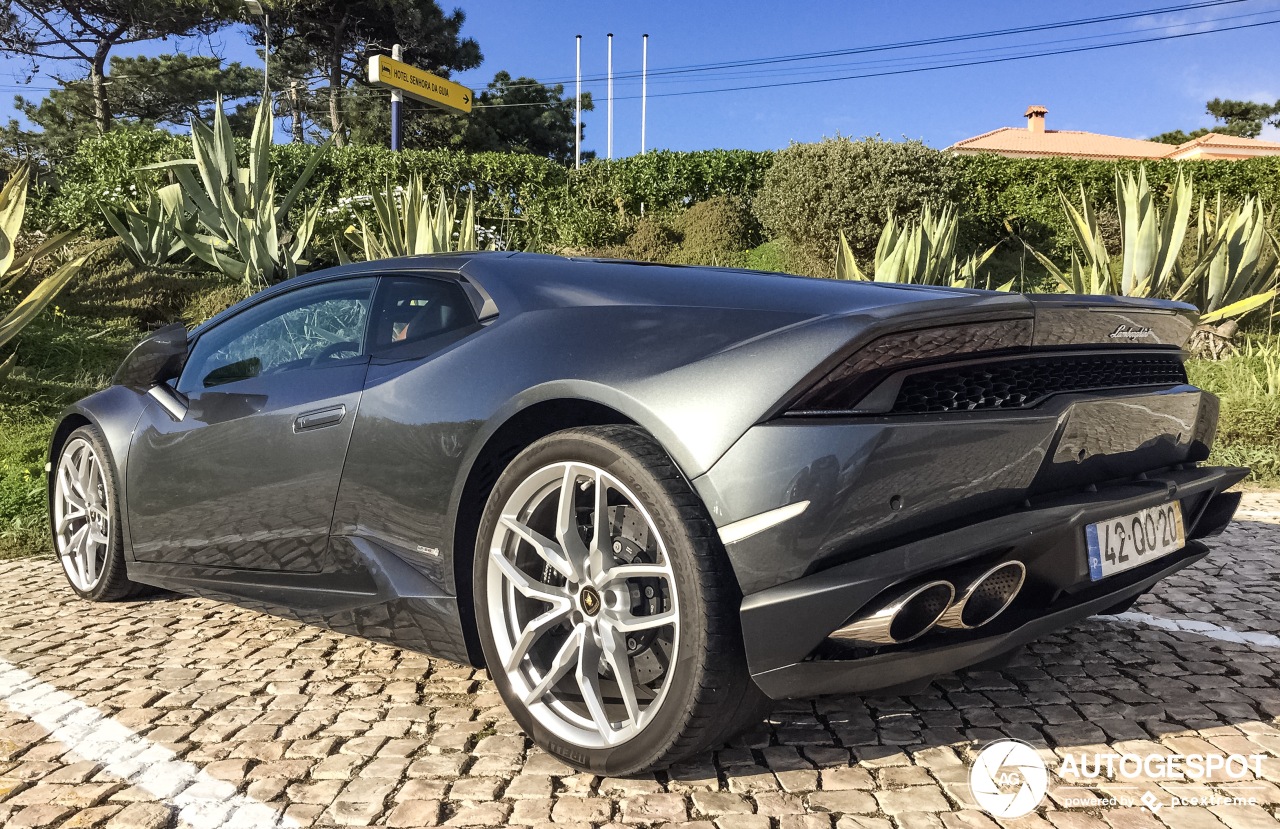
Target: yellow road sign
(415, 83)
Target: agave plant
(1233, 271)
(919, 252)
(14, 266)
(1237, 267)
(1150, 242)
(1150, 245)
(149, 231)
(407, 225)
(1091, 269)
(243, 227)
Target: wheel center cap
(590, 601)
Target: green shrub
(803, 195)
(666, 179)
(718, 231)
(651, 241)
(213, 298)
(50, 259)
(1247, 436)
(772, 256)
(512, 191)
(813, 192)
(570, 226)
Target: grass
(1248, 384)
(22, 525)
(73, 350)
(61, 359)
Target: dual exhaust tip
(982, 596)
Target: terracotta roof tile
(1217, 139)
(1077, 144)
(1060, 143)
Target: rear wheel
(84, 514)
(606, 608)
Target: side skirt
(376, 594)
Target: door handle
(320, 418)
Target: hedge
(802, 196)
(534, 199)
(992, 189)
(103, 169)
(600, 203)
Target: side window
(411, 311)
(301, 329)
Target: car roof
(538, 280)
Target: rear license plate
(1129, 541)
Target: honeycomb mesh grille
(1017, 384)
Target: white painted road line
(203, 802)
(1212, 631)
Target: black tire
(113, 582)
(710, 695)
(753, 708)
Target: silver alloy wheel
(582, 605)
(81, 515)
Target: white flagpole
(644, 88)
(577, 109)
(610, 142)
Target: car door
(248, 476)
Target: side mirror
(157, 359)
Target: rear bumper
(873, 482)
(786, 628)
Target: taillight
(847, 383)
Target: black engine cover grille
(1024, 382)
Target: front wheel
(85, 519)
(606, 608)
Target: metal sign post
(404, 79)
(397, 101)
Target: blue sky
(1136, 90)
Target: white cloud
(1205, 89)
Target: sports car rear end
(957, 482)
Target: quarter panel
(422, 423)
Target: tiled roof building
(1035, 141)
(1215, 145)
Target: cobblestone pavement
(308, 727)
